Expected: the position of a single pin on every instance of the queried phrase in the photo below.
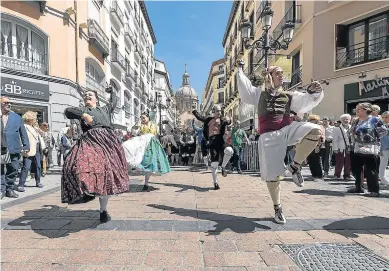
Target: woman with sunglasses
(96, 165)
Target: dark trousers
(237, 156)
(3, 189)
(343, 160)
(326, 156)
(12, 171)
(314, 162)
(59, 157)
(35, 161)
(370, 165)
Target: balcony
(23, 59)
(373, 50)
(131, 73)
(296, 78)
(117, 13)
(128, 34)
(127, 109)
(137, 21)
(293, 15)
(118, 60)
(97, 37)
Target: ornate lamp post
(266, 41)
(157, 104)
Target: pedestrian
(59, 144)
(32, 159)
(186, 142)
(144, 152)
(326, 152)
(238, 136)
(276, 129)
(176, 148)
(214, 130)
(314, 158)
(202, 142)
(341, 147)
(384, 150)
(17, 143)
(67, 142)
(376, 109)
(96, 166)
(50, 144)
(365, 136)
(5, 159)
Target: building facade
(163, 88)
(214, 89)
(53, 51)
(348, 47)
(234, 49)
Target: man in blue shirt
(202, 142)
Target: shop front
(372, 91)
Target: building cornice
(234, 10)
(211, 74)
(148, 22)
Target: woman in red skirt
(96, 165)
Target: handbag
(5, 158)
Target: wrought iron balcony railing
(117, 12)
(118, 59)
(293, 15)
(128, 32)
(22, 58)
(98, 37)
(127, 107)
(374, 49)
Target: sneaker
(217, 187)
(296, 175)
(21, 189)
(373, 194)
(39, 185)
(279, 216)
(224, 172)
(104, 217)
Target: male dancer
(276, 129)
(214, 130)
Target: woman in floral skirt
(96, 165)
(144, 153)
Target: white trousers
(383, 163)
(272, 147)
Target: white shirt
(338, 140)
(329, 132)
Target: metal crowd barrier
(250, 156)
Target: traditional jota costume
(278, 131)
(214, 130)
(144, 153)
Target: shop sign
(380, 86)
(24, 89)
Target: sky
(191, 33)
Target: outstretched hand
(240, 63)
(314, 87)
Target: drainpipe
(76, 41)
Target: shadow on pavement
(238, 224)
(185, 187)
(350, 227)
(53, 221)
(319, 192)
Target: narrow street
(183, 224)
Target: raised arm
(198, 116)
(248, 93)
(303, 102)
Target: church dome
(186, 90)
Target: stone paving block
(49, 256)
(214, 259)
(162, 225)
(17, 255)
(180, 226)
(276, 258)
(252, 245)
(242, 259)
(193, 259)
(126, 257)
(87, 257)
(81, 224)
(219, 246)
(162, 259)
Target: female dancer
(96, 165)
(144, 153)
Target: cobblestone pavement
(182, 224)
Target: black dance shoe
(217, 187)
(145, 188)
(224, 172)
(104, 217)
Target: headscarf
(267, 74)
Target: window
(296, 70)
(220, 82)
(251, 62)
(94, 10)
(362, 42)
(127, 103)
(136, 110)
(116, 90)
(22, 48)
(252, 32)
(220, 97)
(94, 77)
(220, 67)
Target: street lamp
(266, 42)
(157, 104)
